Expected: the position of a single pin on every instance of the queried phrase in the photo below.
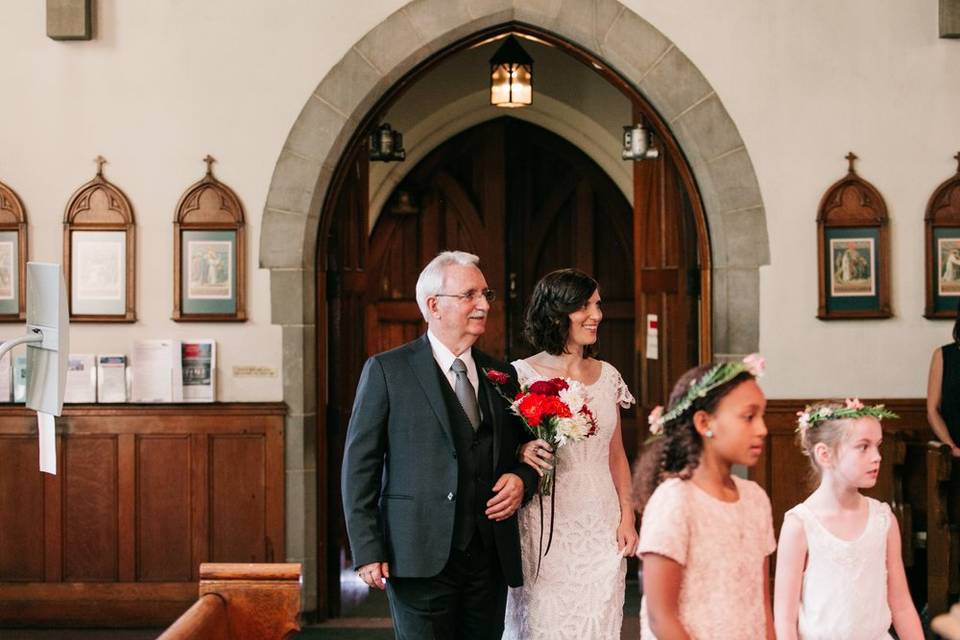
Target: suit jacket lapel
(493, 405)
(425, 369)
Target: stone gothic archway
(606, 29)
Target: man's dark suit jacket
(399, 479)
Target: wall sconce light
(404, 204)
(386, 144)
(638, 143)
(511, 75)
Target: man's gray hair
(430, 282)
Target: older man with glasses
(431, 482)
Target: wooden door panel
(666, 258)
(21, 511)
(163, 540)
(460, 194)
(563, 212)
(90, 509)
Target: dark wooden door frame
(358, 140)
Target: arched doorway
(527, 202)
(317, 159)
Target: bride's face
(584, 323)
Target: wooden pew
(890, 489)
(943, 528)
(239, 601)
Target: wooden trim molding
(855, 204)
(99, 205)
(209, 205)
(942, 215)
(13, 217)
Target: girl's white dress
(580, 591)
(722, 546)
(844, 594)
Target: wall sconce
(511, 75)
(404, 204)
(386, 144)
(638, 143)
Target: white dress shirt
(445, 358)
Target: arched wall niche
(378, 65)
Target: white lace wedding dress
(579, 593)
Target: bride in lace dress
(580, 589)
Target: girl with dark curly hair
(706, 534)
(580, 588)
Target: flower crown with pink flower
(852, 409)
(717, 375)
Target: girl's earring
(708, 433)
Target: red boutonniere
(496, 377)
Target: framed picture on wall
(854, 251)
(209, 258)
(942, 232)
(99, 253)
(98, 275)
(13, 256)
(853, 267)
(209, 268)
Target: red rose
(560, 384)
(497, 377)
(545, 388)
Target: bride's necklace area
(577, 372)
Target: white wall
(167, 82)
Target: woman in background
(943, 391)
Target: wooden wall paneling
(273, 485)
(128, 517)
(90, 507)
(199, 502)
(163, 515)
(237, 498)
(21, 511)
(126, 508)
(53, 517)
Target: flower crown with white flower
(717, 375)
(852, 409)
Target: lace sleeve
(624, 398)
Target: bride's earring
(708, 433)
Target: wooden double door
(526, 202)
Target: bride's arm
(627, 537)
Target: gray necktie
(465, 393)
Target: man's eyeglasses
(470, 296)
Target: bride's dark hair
(555, 297)
(677, 452)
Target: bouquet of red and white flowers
(555, 411)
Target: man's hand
(508, 492)
(375, 574)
